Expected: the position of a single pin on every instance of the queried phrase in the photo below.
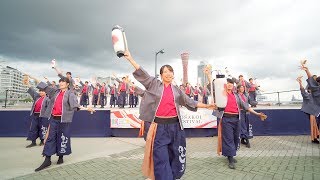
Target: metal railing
(296, 97)
(276, 98)
(19, 98)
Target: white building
(107, 80)
(202, 78)
(11, 79)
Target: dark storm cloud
(256, 37)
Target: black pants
(123, 95)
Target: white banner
(129, 118)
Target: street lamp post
(155, 62)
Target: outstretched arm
(59, 72)
(305, 68)
(33, 93)
(128, 56)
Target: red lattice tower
(185, 59)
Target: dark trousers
(136, 99)
(38, 128)
(102, 98)
(84, 100)
(58, 141)
(122, 99)
(95, 99)
(205, 100)
(131, 100)
(230, 135)
(245, 126)
(195, 97)
(169, 152)
(252, 95)
(113, 100)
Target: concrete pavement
(270, 157)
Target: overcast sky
(262, 39)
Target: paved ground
(271, 157)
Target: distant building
(11, 79)
(107, 80)
(202, 78)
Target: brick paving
(270, 157)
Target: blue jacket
(69, 102)
(153, 94)
(308, 104)
(45, 103)
(138, 91)
(315, 90)
(240, 103)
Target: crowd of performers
(165, 151)
(311, 101)
(161, 100)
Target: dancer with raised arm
(165, 153)
(64, 103)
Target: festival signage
(129, 118)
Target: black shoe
(315, 141)
(60, 160)
(234, 160)
(31, 145)
(231, 165)
(101, 107)
(45, 164)
(41, 143)
(248, 144)
(242, 141)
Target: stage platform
(281, 121)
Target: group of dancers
(165, 151)
(311, 100)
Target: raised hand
(299, 79)
(127, 55)
(303, 62)
(25, 80)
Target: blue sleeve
(61, 76)
(314, 86)
(73, 101)
(33, 93)
(139, 91)
(144, 78)
(189, 103)
(118, 80)
(242, 104)
(304, 94)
